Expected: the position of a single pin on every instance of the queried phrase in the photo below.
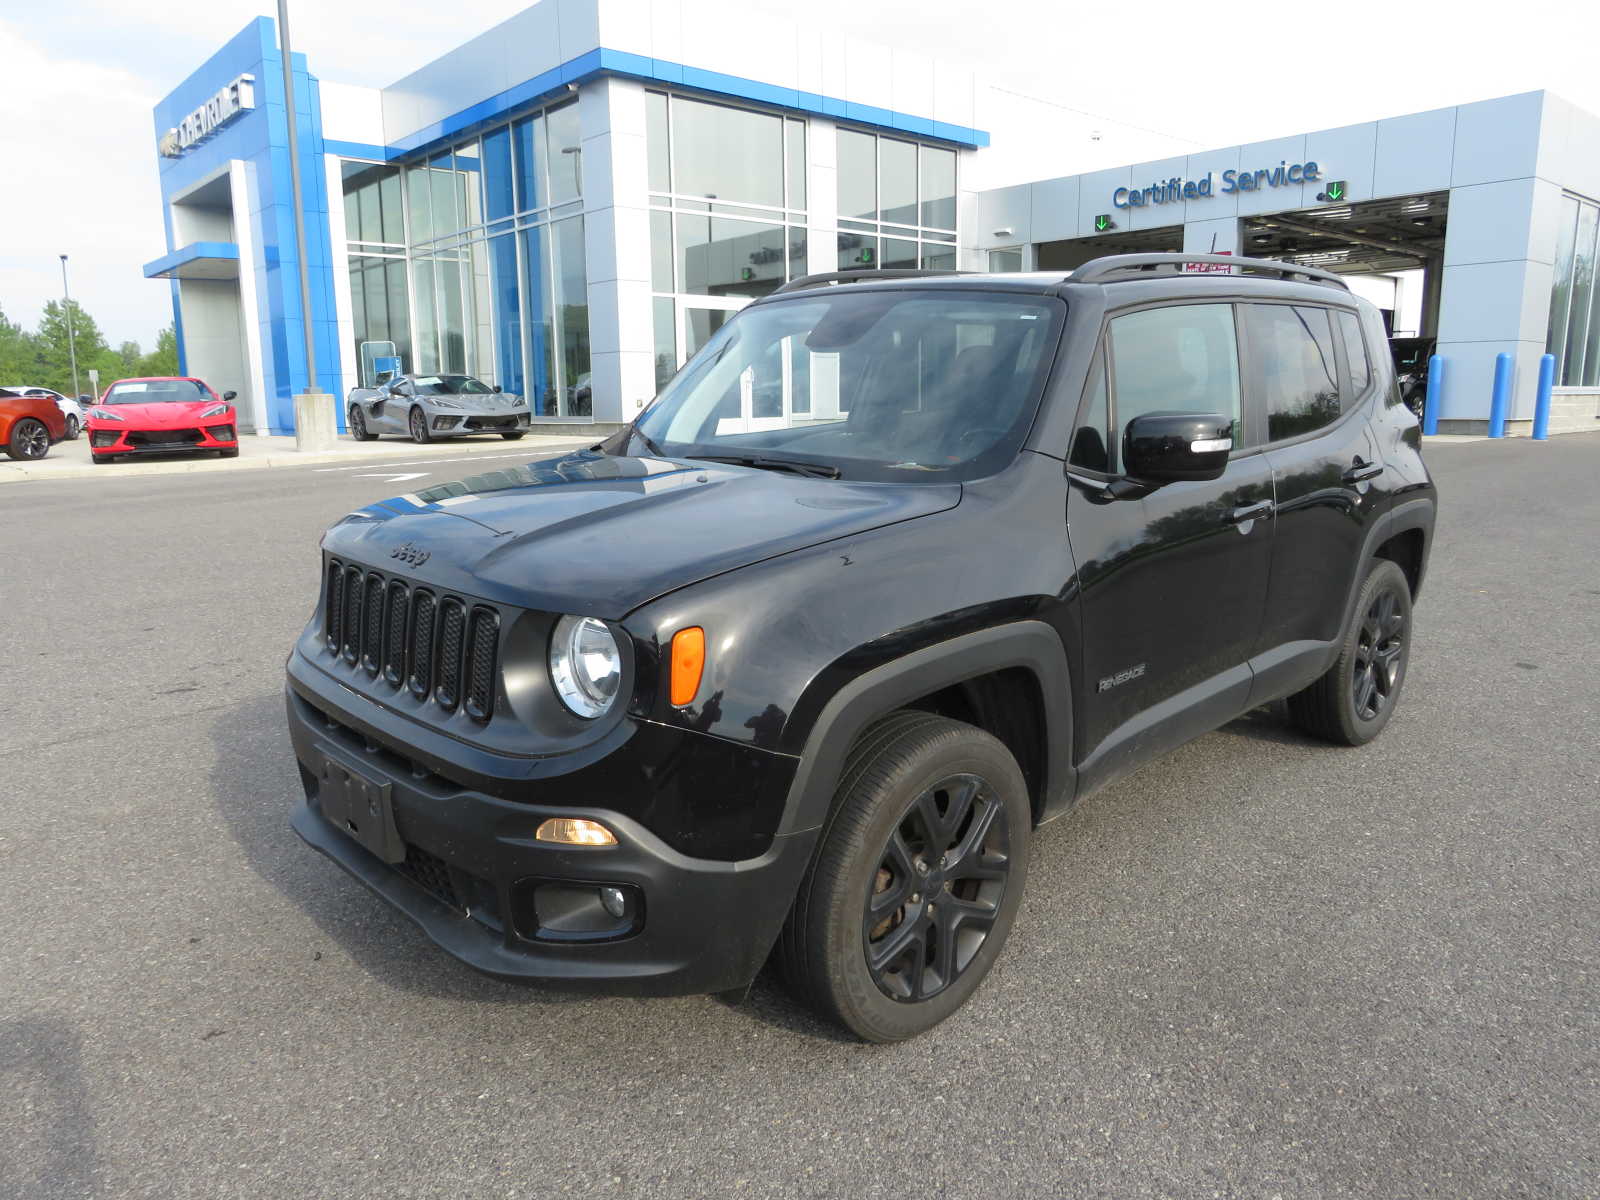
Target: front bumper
(471, 865)
(105, 441)
(442, 424)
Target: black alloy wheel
(937, 890)
(1380, 653)
(418, 424)
(916, 880)
(1353, 700)
(358, 424)
(29, 439)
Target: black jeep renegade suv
(897, 568)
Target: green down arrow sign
(1102, 222)
(1335, 190)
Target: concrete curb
(15, 472)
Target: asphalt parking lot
(1261, 967)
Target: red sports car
(159, 416)
(29, 425)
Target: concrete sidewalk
(70, 460)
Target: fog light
(575, 831)
(615, 901)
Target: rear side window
(1181, 358)
(1294, 366)
(1355, 353)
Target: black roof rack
(869, 276)
(1136, 266)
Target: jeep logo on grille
(408, 553)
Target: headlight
(216, 410)
(517, 402)
(438, 403)
(103, 415)
(586, 665)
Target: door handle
(1250, 512)
(1363, 471)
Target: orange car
(29, 425)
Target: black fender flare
(1031, 645)
(1402, 517)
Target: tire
(417, 423)
(512, 437)
(1352, 702)
(30, 440)
(102, 459)
(74, 428)
(234, 453)
(888, 814)
(358, 425)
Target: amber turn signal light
(575, 831)
(688, 662)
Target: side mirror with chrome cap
(1164, 447)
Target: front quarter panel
(785, 636)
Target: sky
(1137, 80)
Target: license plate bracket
(360, 807)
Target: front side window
(1180, 358)
(901, 386)
(1294, 367)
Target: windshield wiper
(811, 469)
(649, 442)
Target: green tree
(129, 355)
(16, 351)
(163, 360)
(52, 358)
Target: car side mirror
(229, 395)
(1163, 447)
(497, 389)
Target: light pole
(294, 184)
(72, 341)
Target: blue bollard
(1500, 405)
(1541, 406)
(1430, 408)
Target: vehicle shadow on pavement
(44, 1110)
(1270, 723)
(256, 787)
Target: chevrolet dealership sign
(238, 97)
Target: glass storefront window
(724, 153)
(507, 309)
(938, 187)
(572, 316)
(420, 202)
(1574, 330)
(657, 139)
(858, 175)
(858, 252)
(795, 149)
(541, 385)
(899, 254)
(718, 256)
(499, 196)
(666, 339)
(897, 181)
(528, 137)
(565, 154)
(442, 182)
(661, 251)
(1005, 260)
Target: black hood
(600, 535)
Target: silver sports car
(435, 406)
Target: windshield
(451, 385)
(155, 391)
(878, 385)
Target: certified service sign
(238, 97)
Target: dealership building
(570, 204)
